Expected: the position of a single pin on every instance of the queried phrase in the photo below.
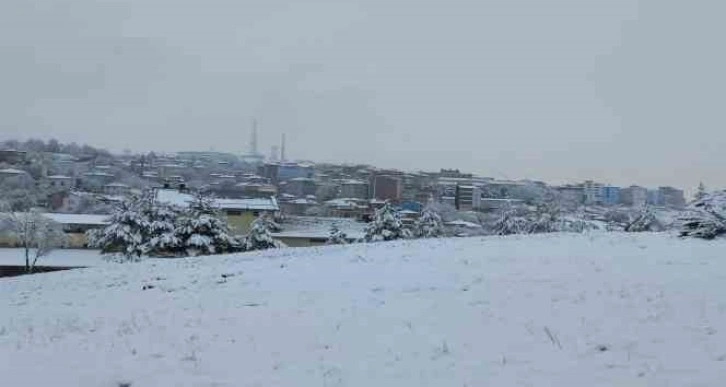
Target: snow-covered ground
(546, 310)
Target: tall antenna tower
(282, 148)
(253, 138)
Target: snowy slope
(546, 310)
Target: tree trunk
(27, 258)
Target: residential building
(387, 187)
(240, 212)
(593, 192)
(468, 197)
(60, 182)
(299, 186)
(288, 171)
(356, 189)
(634, 196)
(116, 189)
(672, 197)
(610, 195)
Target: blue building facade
(610, 195)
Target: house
(95, 180)
(305, 231)
(116, 189)
(12, 156)
(240, 212)
(347, 208)
(60, 182)
(17, 176)
(76, 226)
(297, 206)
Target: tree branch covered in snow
(36, 234)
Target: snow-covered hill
(546, 310)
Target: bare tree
(36, 234)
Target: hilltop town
(78, 185)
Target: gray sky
(621, 91)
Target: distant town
(76, 185)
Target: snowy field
(548, 310)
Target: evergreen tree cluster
(140, 226)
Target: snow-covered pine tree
(202, 230)
(337, 236)
(161, 237)
(126, 234)
(645, 221)
(386, 226)
(705, 218)
(429, 225)
(259, 237)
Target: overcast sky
(621, 91)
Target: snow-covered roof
(353, 182)
(12, 171)
(59, 177)
(85, 219)
(344, 202)
(103, 174)
(319, 227)
(117, 185)
(303, 201)
(463, 223)
(181, 199)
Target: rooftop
(181, 199)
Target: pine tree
(705, 218)
(336, 237)
(201, 230)
(126, 233)
(429, 225)
(161, 237)
(386, 226)
(259, 237)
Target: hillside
(560, 310)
